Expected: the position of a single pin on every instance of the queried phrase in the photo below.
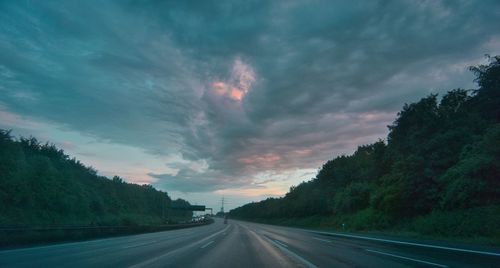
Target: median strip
(405, 258)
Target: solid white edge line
(409, 243)
(290, 253)
(406, 258)
(207, 244)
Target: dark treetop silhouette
(437, 174)
(40, 185)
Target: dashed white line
(169, 253)
(405, 258)
(282, 244)
(207, 244)
(284, 247)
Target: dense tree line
(441, 155)
(41, 185)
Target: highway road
(241, 244)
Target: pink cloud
(12, 120)
(254, 192)
(260, 160)
(220, 88)
(237, 94)
(303, 152)
(238, 85)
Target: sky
(234, 99)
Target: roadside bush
(464, 223)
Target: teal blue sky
(241, 99)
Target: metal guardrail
(13, 236)
(86, 227)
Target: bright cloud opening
(239, 84)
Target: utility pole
(222, 203)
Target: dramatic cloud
(240, 82)
(224, 97)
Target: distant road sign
(197, 208)
(190, 208)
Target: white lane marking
(64, 245)
(406, 258)
(139, 245)
(410, 243)
(283, 244)
(290, 253)
(324, 240)
(153, 260)
(207, 244)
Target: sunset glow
(213, 99)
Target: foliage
(40, 185)
(441, 163)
